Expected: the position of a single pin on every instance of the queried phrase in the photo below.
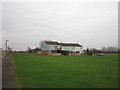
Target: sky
(91, 23)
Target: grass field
(39, 71)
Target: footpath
(8, 73)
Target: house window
(56, 47)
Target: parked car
(100, 54)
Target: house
(74, 47)
(51, 47)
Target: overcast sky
(92, 24)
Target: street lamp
(6, 46)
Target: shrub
(63, 52)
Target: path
(8, 74)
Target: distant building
(50, 47)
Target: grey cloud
(91, 24)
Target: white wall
(54, 47)
(71, 48)
(44, 46)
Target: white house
(48, 46)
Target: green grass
(39, 71)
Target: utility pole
(6, 46)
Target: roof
(52, 42)
(62, 44)
(70, 44)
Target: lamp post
(6, 46)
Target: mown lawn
(39, 71)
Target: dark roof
(62, 44)
(52, 43)
(70, 44)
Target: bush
(89, 53)
(63, 52)
(59, 51)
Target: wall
(68, 48)
(44, 46)
(79, 49)
(72, 48)
(54, 47)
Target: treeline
(35, 50)
(109, 49)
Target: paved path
(8, 74)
